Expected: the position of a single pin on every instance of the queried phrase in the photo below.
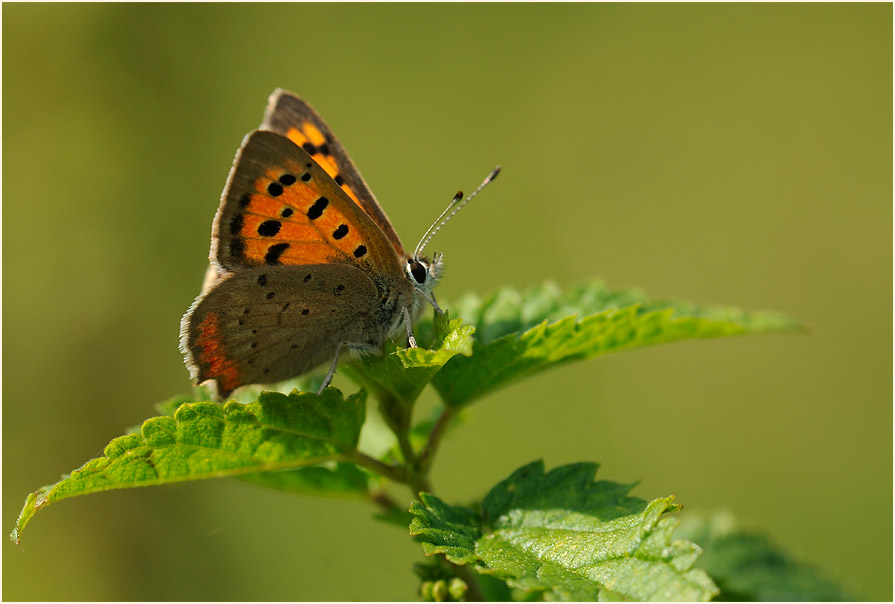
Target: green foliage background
(732, 154)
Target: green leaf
(748, 567)
(564, 536)
(446, 529)
(342, 479)
(206, 440)
(520, 334)
(400, 374)
(529, 488)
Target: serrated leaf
(206, 440)
(582, 558)
(518, 335)
(400, 374)
(445, 529)
(565, 536)
(530, 489)
(748, 567)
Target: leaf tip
(33, 502)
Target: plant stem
(463, 572)
(407, 451)
(382, 499)
(428, 452)
(397, 417)
(420, 484)
(414, 473)
(391, 472)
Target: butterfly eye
(418, 270)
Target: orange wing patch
(290, 220)
(313, 133)
(213, 362)
(313, 141)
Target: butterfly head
(424, 275)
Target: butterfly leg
(434, 303)
(411, 341)
(332, 369)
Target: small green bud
(426, 591)
(440, 591)
(457, 588)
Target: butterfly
(304, 261)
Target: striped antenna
(449, 212)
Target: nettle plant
(537, 535)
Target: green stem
(382, 499)
(420, 484)
(463, 572)
(396, 473)
(427, 455)
(406, 448)
(415, 475)
(397, 418)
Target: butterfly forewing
(281, 208)
(290, 116)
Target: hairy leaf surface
(566, 537)
(206, 440)
(520, 334)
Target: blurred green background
(730, 154)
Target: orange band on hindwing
(213, 362)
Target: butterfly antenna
(456, 203)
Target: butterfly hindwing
(267, 324)
(290, 116)
(281, 208)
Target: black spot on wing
(236, 224)
(237, 248)
(269, 228)
(274, 252)
(316, 210)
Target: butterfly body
(304, 262)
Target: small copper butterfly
(304, 261)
